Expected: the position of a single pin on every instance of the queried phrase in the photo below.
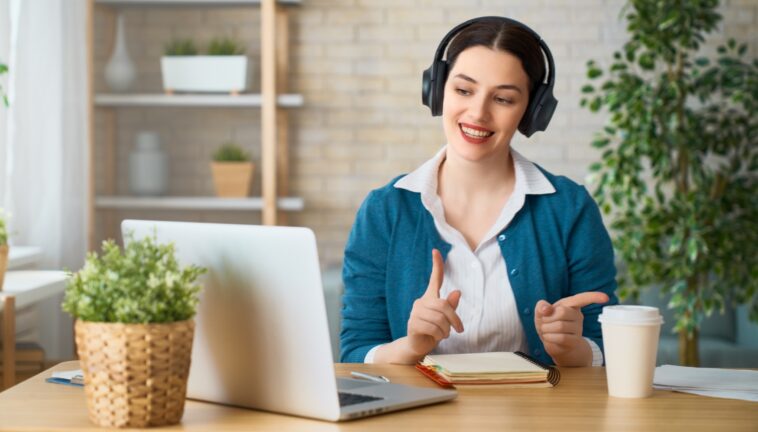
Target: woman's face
(486, 94)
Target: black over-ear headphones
(541, 104)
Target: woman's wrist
(398, 352)
(580, 356)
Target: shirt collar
(529, 177)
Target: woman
(519, 258)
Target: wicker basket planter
(135, 375)
(3, 263)
(232, 179)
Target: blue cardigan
(556, 246)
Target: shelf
(161, 3)
(253, 100)
(23, 256)
(194, 203)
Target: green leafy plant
(144, 284)
(679, 164)
(181, 47)
(224, 46)
(230, 152)
(3, 229)
(3, 70)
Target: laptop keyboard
(352, 399)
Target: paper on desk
(723, 383)
(68, 375)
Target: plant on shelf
(225, 46)
(679, 164)
(232, 171)
(180, 47)
(230, 152)
(3, 70)
(134, 331)
(222, 70)
(4, 248)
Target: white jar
(148, 166)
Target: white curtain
(43, 143)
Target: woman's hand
(560, 328)
(431, 316)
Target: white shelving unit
(194, 203)
(193, 100)
(213, 3)
(272, 103)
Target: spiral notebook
(502, 369)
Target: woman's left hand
(560, 328)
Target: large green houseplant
(134, 332)
(679, 164)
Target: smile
(474, 134)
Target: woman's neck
(487, 178)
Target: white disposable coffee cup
(630, 336)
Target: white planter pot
(226, 74)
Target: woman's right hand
(432, 316)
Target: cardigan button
(501, 237)
(514, 272)
(527, 311)
(537, 351)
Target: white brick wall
(358, 64)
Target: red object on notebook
(432, 375)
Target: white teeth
(475, 133)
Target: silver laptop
(261, 335)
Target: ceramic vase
(148, 166)
(120, 71)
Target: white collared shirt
(487, 307)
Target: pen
(366, 376)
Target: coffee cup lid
(629, 314)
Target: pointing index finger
(581, 300)
(438, 272)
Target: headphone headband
(542, 103)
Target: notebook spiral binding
(553, 374)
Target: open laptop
(261, 332)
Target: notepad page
(706, 378)
(479, 363)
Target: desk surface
(579, 403)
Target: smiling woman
(479, 239)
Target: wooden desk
(21, 289)
(579, 403)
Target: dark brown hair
(502, 36)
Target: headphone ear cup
(438, 87)
(426, 87)
(538, 112)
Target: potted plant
(232, 171)
(223, 69)
(679, 164)
(134, 332)
(3, 70)
(4, 249)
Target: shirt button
(473, 264)
(527, 311)
(501, 237)
(514, 272)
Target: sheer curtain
(43, 140)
